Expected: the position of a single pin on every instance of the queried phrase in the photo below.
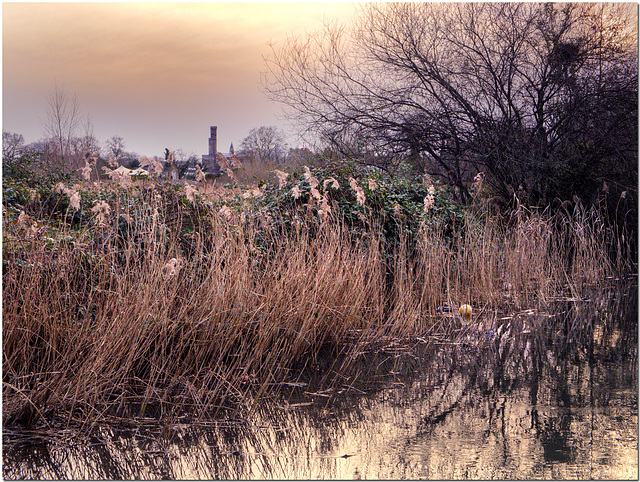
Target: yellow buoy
(465, 312)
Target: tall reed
(180, 309)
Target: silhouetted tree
(541, 97)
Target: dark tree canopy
(537, 96)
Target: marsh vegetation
(152, 299)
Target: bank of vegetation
(152, 299)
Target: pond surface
(532, 395)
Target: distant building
(209, 162)
(215, 161)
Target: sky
(156, 74)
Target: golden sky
(156, 74)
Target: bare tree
(12, 146)
(264, 144)
(114, 147)
(89, 142)
(456, 88)
(13, 149)
(60, 127)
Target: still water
(548, 395)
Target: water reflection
(528, 396)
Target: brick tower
(209, 163)
(213, 141)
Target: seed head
(171, 269)
(101, 210)
(74, 200)
(429, 199)
(333, 184)
(282, 177)
(226, 212)
(360, 197)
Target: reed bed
(175, 310)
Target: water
(554, 398)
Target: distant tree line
(69, 142)
(65, 148)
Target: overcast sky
(156, 74)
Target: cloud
(198, 62)
(130, 50)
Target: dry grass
(158, 324)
